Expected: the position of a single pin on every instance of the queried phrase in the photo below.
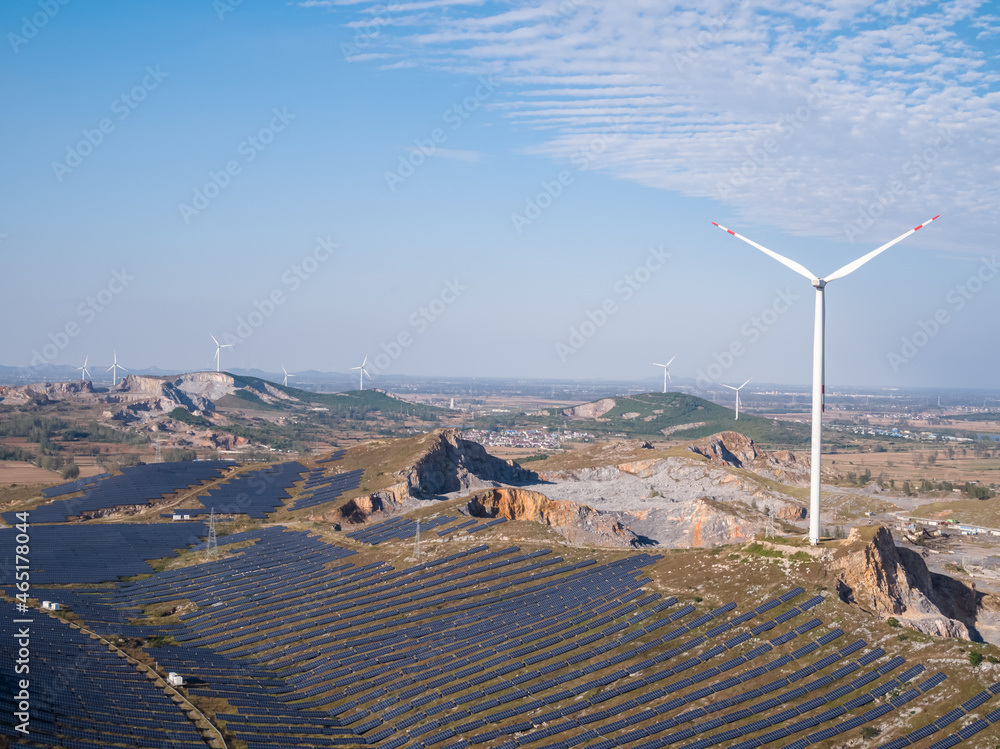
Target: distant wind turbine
(363, 371)
(218, 352)
(285, 381)
(114, 370)
(819, 353)
(666, 371)
(737, 395)
(84, 372)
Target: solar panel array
(85, 697)
(401, 528)
(94, 553)
(505, 648)
(74, 486)
(254, 493)
(135, 485)
(319, 489)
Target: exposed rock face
(593, 410)
(449, 464)
(676, 502)
(579, 524)
(739, 451)
(388, 501)
(453, 464)
(44, 392)
(144, 397)
(889, 581)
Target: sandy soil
(16, 472)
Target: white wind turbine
(737, 396)
(666, 371)
(218, 352)
(285, 381)
(363, 371)
(115, 367)
(819, 346)
(84, 372)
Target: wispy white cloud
(813, 116)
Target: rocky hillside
(578, 524)
(710, 498)
(739, 451)
(889, 581)
(442, 464)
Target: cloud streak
(697, 90)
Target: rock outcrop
(579, 524)
(676, 502)
(453, 464)
(143, 397)
(447, 465)
(889, 581)
(594, 410)
(739, 451)
(41, 393)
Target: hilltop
(210, 411)
(658, 415)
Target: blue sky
(517, 189)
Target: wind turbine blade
(668, 376)
(851, 267)
(365, 361)
(110, 368)
(214, 339)
(728, 386)
(121, 367)
(657, 365)
(797, 267)
(366, 372)
(671, 360)
(744, 384)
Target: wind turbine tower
(819, 353)
(737, 396)
(218, 352)
(666, 371)
(114, 370)
(362, 372)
